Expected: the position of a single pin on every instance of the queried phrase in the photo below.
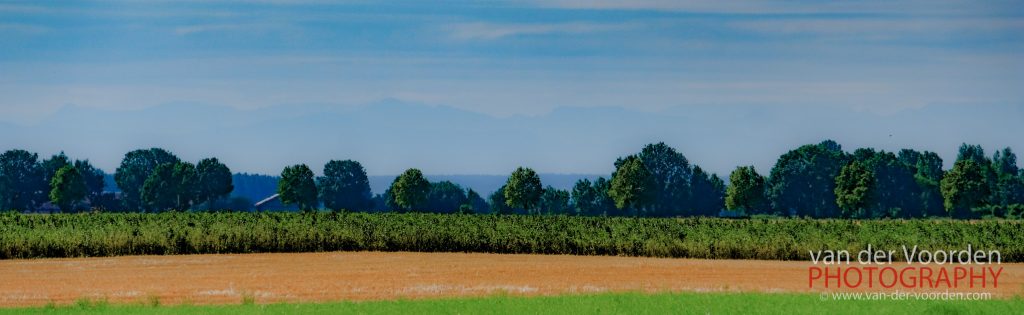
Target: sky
(459, 87)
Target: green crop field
(111, 234)
(611, 303)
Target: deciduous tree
(297, 187)
(554, 201)
(213, 181)
(1009, 187)
(135, 169)
(671, 192)
(523, 189)
(344, 186)
(964, 188)
(631, 185)
(708, 194)
(475, 203)
(928, 173)
(68, 188)
(445, 197)
(803, 180)
(21, 181)
(93, 178)
(854, 188)
(497, 202)
(409, 190)
(746, 191)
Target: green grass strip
(613, 303)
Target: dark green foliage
(523, 189)
(976, 154)
(584, 197)
(52, 165)
(382, 202)
(1009, 188)
(22, 184)
(93, 178)
(555, 201)
(296, 187)
(344, 186)
(409, 190)
(592, 198)
(135, 169)
(746, 191)
(708, 193)
(889, 187)
(603, 204)
(68, 188)
(855, 187)
(964, 188)
(213, 181)
(109, 234)
(671, 181)
(499, 205)
(170, 186)
(928, 173)
(445, 197)
(631, 185)
(475, 203)
(802, 183)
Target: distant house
(268, 202)
(273, 203)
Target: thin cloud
(193, 29)
(186, 30)
(23, 28)
(491, 31)
(880, 26)
(779, 7)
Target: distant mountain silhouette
(389, 136)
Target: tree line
(151, 180)
(816, 180)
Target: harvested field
(300, 277)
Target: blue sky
(562, 86)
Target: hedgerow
(171, 233)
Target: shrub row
(112, 234)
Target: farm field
(364, 276)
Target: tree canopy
(555, 201)
(213, 181)
(814, 180)
(409, 190)
(746, 191)
(803, 183)
(523, 189)
(631, 184)
(68, 188)
(344, 186)
(21, 180)
(297, 187)
(670, 191)
(135, 169)
(964, 188)
(445, 197)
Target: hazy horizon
(464, 88)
